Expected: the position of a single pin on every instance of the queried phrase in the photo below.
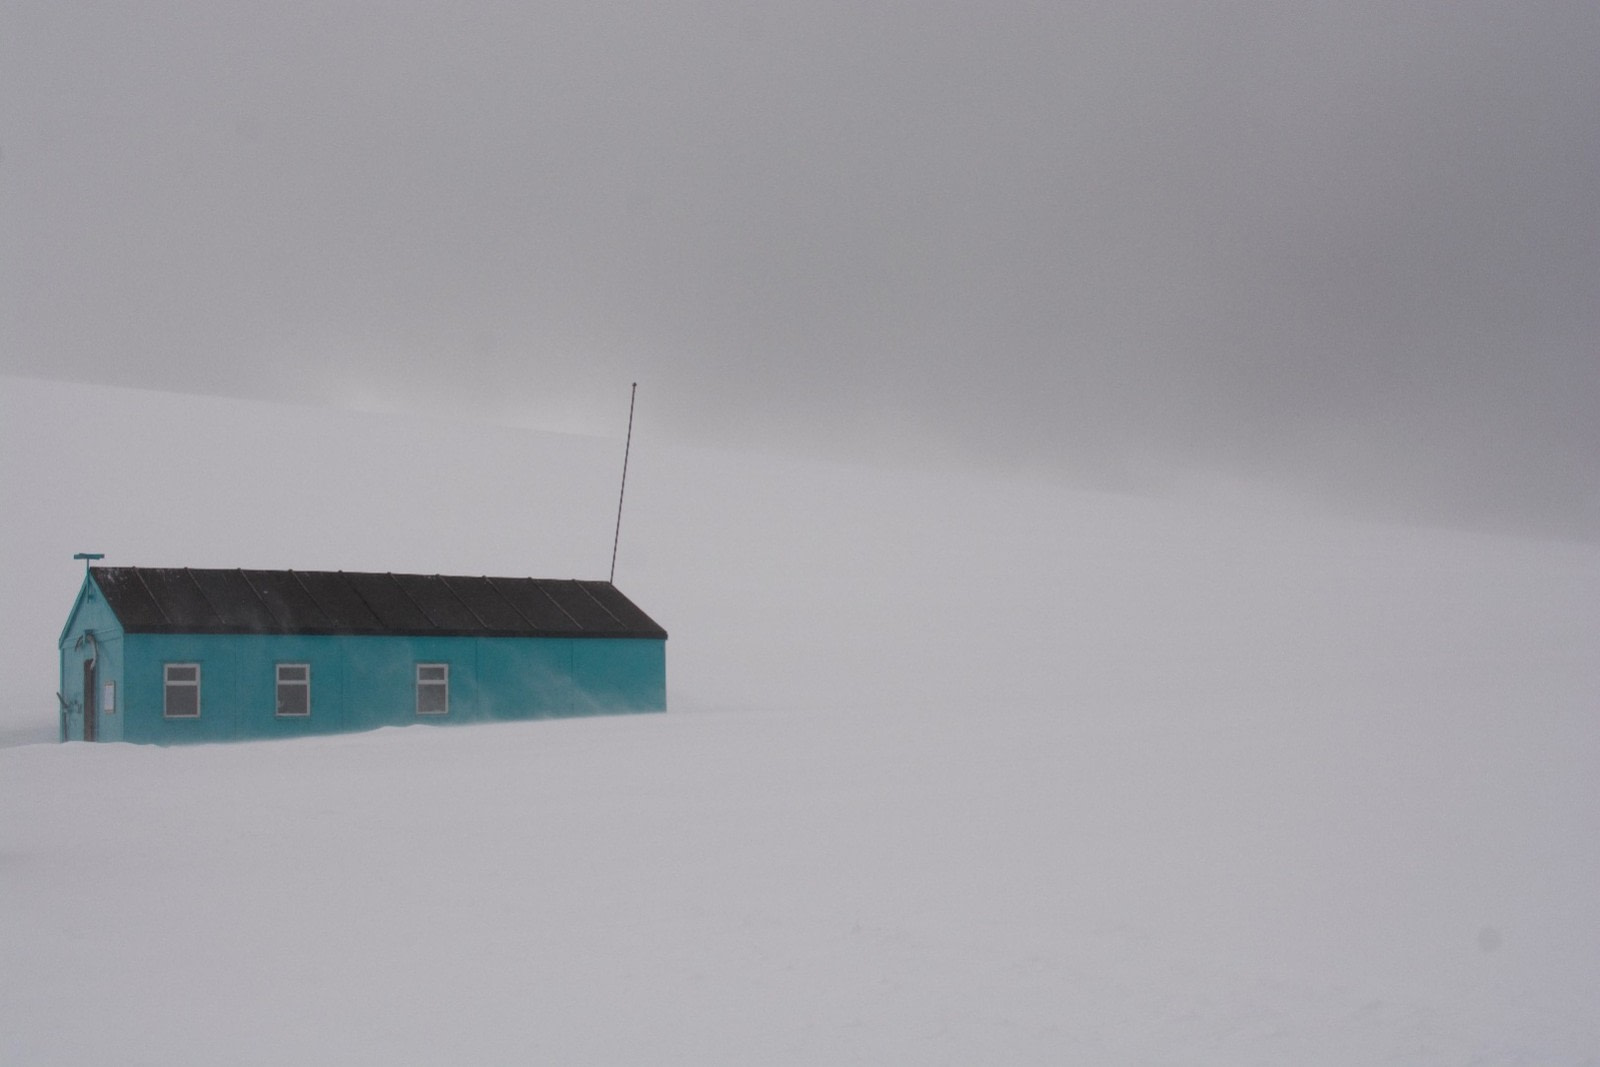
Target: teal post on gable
(194, 656)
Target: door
(89, 715)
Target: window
(433, 689)
(182, 691)
(294, 689)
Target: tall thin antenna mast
(616, 538)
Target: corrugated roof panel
(487, 604)
(173, 600)
(288, 601)
(128, 598)
(624, 610)
(235, 603)
(388, 601)
(532, 604)
(180, 598)
(338, 600)
(439, 603)
(571, 597)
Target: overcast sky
(1349, 246)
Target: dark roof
(181, 600)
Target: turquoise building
(173, 655)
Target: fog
(956, 767)
(1349, 250)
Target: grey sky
(1352, 246)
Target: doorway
(89, 716)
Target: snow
(958, 769)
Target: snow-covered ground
(958, 769)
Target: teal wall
(91, 614)
(360, 683)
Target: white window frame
(442, 682)
(168, 684)
(281, 682)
